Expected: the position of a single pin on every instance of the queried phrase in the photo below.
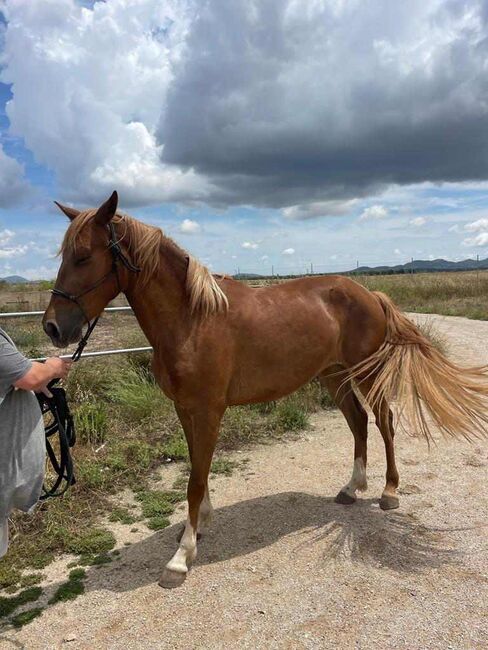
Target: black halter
(57, 406)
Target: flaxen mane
(144, 243)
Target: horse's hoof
(345, 499)
(171, 579)
(388, 502)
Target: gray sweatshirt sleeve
(13, 365)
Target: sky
(261, 135)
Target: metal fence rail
(99, 353)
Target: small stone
(70, 637)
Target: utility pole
(311, 268)
(272, 270)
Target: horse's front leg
(205, 429)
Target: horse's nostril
(52, 330)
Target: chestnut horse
(218, 342)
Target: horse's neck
(160, 304)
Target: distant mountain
(14, 279)
(248, 276)
(425, 265)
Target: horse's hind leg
(357, 419)
(384, 420)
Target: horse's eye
(82, 260)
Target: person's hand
(40, 374)
(59, 367)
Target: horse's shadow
(362, 533)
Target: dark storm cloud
(280, 103)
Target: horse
(218, 342)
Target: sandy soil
(283, 566)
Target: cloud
(249, 244)
(318, 209)
(418, 221)
(265, 104)
(480, 240)
(5, 236)
(477, 226)
(481, 227)
(105, 73)
(13, 251)
(333, 101)
(288, 251)
(13, 186)
(189, 227)
(374, 212)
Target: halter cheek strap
(117, 256)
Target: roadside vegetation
(451, 294)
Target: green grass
(91, 541)
(77, 574)
(26, 617)
(158, 522)
(68, 591)
(91, 422)
(31, 579)
(9, 605)
(122, 515)
(223, 466)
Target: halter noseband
(117, 256)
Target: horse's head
(89, 277)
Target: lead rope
(62, 423)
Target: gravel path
(285, 567)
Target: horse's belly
(267, 372)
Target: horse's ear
(107, 210)
(71, 213)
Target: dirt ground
(283, 566)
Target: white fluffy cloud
(288, 251)
(13, 251)
(481, 227)
(477, 226)
(374, 212)
(481, 239)
(88, 102)
(190, 227)
(249, 244)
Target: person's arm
(19, 372)
(40, 374)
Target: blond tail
(409, 369)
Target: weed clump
(9, 605)
(26, 617)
